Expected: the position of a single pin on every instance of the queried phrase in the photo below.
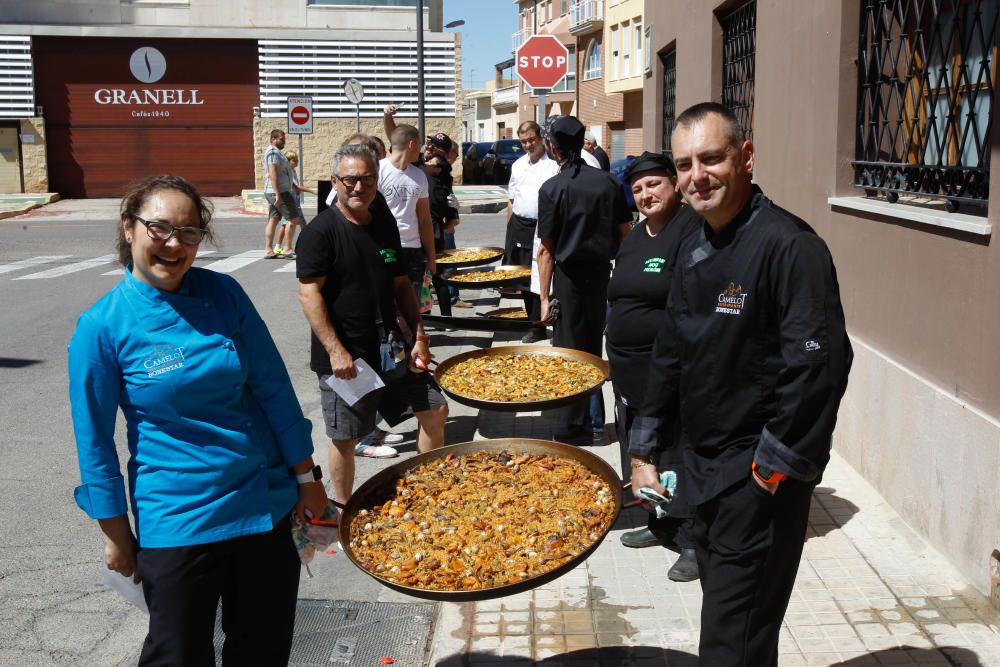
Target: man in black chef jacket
(752, 359)
(582, 216)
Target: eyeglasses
(163, 231)
(352, 181)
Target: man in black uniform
(443, 214)
(582, 217)
(754, 354)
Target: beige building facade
(137, 64)
(606, 40)
(921, 418)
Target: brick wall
(633, 123)
(34, 162)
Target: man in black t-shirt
(351, 282)
(582, 217)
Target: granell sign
(148, 65)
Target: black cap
(440, 140)
(565, 132)
(647, 162)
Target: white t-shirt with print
(402, 190)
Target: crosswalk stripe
(69, 268)
(121, 272)
(34, 261)
(289, 267)
(230, 264)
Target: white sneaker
(385, 438)
(375, 452)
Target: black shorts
(412, 393)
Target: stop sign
(542, 61)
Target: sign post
(300, 122)
(542, 62)
(355, 92)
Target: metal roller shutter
(121, 109)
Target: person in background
(751, 361)
(637, 293)
(278, 191)
(582, 217)
(285, 237)
(220, 454)
(526, 177)
(405, 188)
(590, 145)
(443, 213)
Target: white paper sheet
(364, 383)
(124, 586)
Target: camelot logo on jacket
(731, 300)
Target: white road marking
(230, 264)
(121, 272)
(66, 269)
(289, 267)
(34, 261)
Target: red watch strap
(773, 479)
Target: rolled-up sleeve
(270, 385)
(817, 359)
(94, 389)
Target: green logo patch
(388, 255)
(654, 265)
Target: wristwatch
(309, 476)
(768, 475)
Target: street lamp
(454, 24)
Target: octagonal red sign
(542, 61)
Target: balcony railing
(586, 16)
(505, 96)
(519, 37)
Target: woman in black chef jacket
(638, 294)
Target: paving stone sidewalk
(869, 591)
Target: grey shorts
(289, 209)
(412, 393)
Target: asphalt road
(53, 606)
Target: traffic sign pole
(302, 169)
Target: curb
(486, 207)
(48, 198)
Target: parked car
(618, 168)
(497, 163)
(473, 153)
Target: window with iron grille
(739, 38)
(926, 73)
(669, 60)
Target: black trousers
(255, 576)
(582, 291)
(521, 256)
(749, 544)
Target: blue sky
(486, 35)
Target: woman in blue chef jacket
(219, 451)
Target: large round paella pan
(482, 519)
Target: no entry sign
(300, 115)
(542, 61)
